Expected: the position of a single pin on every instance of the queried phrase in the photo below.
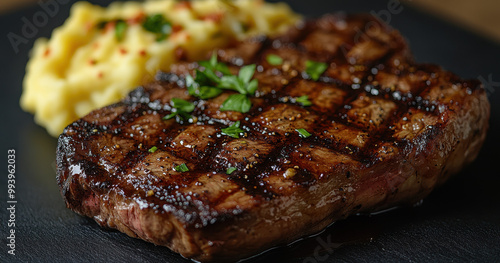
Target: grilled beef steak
(384, 131)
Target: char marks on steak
(385, 132)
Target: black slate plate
(459, 222)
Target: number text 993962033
(11, 201)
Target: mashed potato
(100, 54)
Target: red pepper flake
(109, 26)
(123, 51)
(176, 28)
(183, 5)
(215, 17)
(179, 35)
(88, 26)
(142, 52)
(47, 52)
(92, 62)
(100, 74)
(139, 18)
(180, 54)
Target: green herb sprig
(233, 130)
(274, 60)
(304, 100)
(181, 168)
(153, 149)
(230, 170)
(314, 69)
(181, 109)
(303, 133)
(214, 65)
(158, 25)
(120, 28)
(215, 77)
(206, 81)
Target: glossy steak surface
(384, 131)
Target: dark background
(459, 222)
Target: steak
(380, 131)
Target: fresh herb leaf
(213, 60)
(203, 78)
(252, 86)
(153, 149)
(203, 92)
(209, 82)
(158, 25)
(191, 83)
(120, 28)
(246, 73)
(274, 60)
(304, 100)
(222, 68)
(170, 116)
(207, 92)
(232, 83)
(241, 83)
(183, 115)
(214, 65)
(208, 76)
(233, 130)
(315, 69)
(182, 105)
(230, 170)
(182, 168)
(237, 102)
(181, 108)
(303, 133)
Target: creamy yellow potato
(101, 54)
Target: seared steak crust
(385, 132)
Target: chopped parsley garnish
(201, 86)
(215, 76)
(233, 130)
(153, 149)
(237, 102)
(230, 170)
(241, 83)
(205, 83)
(158, 25)
(181, 108)
(304, 100)
(120, 28)
(181, 168)
(214, 65)
(274, 60)
(303, 133)
(315, 69)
